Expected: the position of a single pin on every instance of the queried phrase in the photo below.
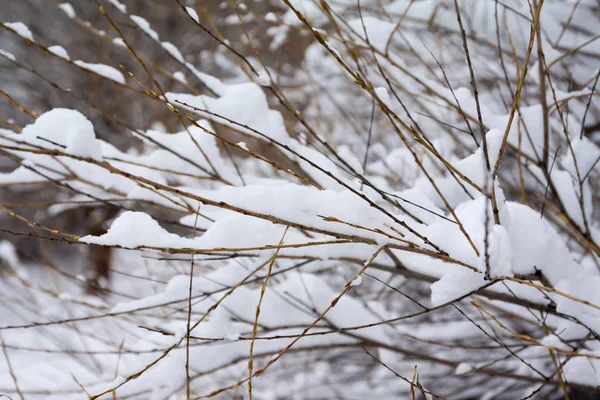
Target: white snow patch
(8, 253)
(180, 76)
(586, 153)
(68, 9)
(144, 26)
(173, 50)
(463, 368)
(244, 103)
(192, 13)
(8, 55)
(455, 285)
(383, 95)
(555, 342)
(21, 29)
(499, 252)
(67, 128)
(356, 281)
(59, 51)
(378, 31)
(263, 78)
(133, 229)
(121, 7)
(119, 42)
(231, 337)
(103, 70)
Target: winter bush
(300, 199)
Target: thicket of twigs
(299, 199)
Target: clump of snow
(192, 13)
(180, 76)
(173, 50)
(65, 296)
(263, 78)
(244, 103)
(21, 29)
(59, 51)
(133, 229)
(118, 381)
(8, 54)
(119, 42)
(500, 253)
(279, 33)
(356, 281)
(555, 342)
(580, 284)
(271, 17)
(378, 31)
(586, 153)
(121, 7)
(28, 163)
(8, 254)
(455, 285)
(144, 26)
(68, 9)
(383, 95)
(103, 70)
(231, 337)
(63, 127)
(332, 47)
(463, 368)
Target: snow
(8, 254)
(68, 9)
(378, 31)
(176, 148)
(21, 29)
(309, 9)
(554, 341)
(103, 70)
(229, 211)
(356, 281)
(180, 76)
(586, 153)
(499, 252)
(314, 206)
(279, 33)
(383, 95)
(215, 84)
(173, 50)
(59, 51)
(69, 128)
(263, 78)
(231, 337)
(244, 103)
(455, 285)
(144, 26)
(7, 54)
(119, 42)
(134, 229)
(118, 5)
(192, 13)
(463, 368)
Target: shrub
(300, 199)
